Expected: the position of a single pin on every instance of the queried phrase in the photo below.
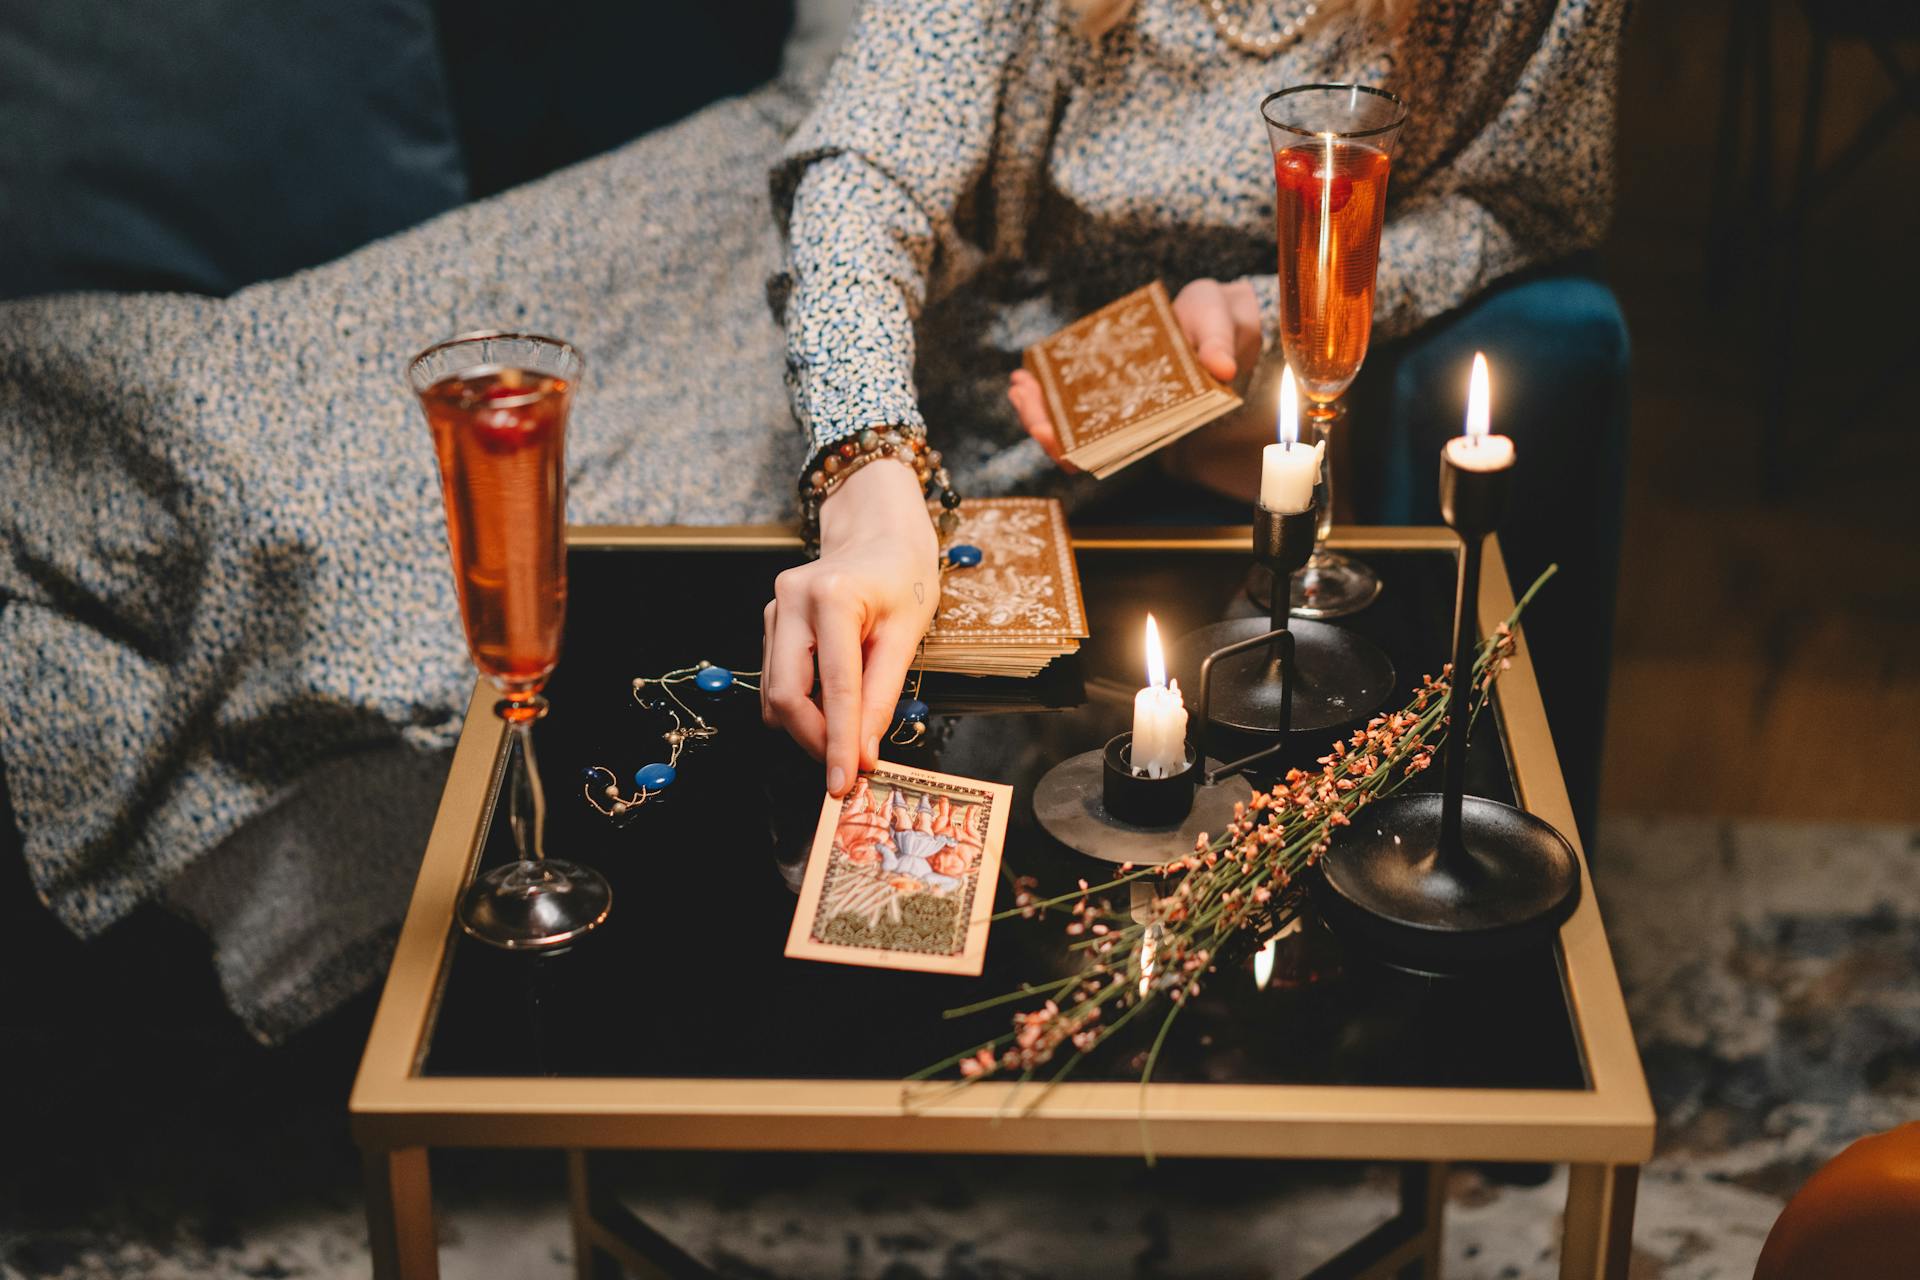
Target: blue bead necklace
(910, 714)
(602, 786)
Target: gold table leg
(1406, 1246)
(1435, 1219)
(400, 1232)
(1597, 1243)
(610, 1243)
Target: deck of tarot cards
(1123, 382)
(1019, 608)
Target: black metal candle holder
(1095, 804)
(1140, 800)
(1339, 677)
(1450, 883)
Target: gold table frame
(1604, 1133)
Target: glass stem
(1323, 416)
(528, 805)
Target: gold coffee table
(608, 1046)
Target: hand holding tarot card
(903, 872)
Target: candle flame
(1289, 407)
(1156, 662)
(1479, 399)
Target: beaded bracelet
(833, 464)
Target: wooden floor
(1768, 656)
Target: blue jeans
(1557, 346)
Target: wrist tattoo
(919, 593)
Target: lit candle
(1287, 468)
(1476, 450)
(1159, 718)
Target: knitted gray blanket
(230, 653)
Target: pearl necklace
(1259, 46)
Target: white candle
(1289, 469)
(1159, 718)
(1476, 450)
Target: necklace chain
(1264, 46)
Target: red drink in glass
(1332, 150)
(497, 405)
(1330, 199)
(500, 436)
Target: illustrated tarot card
(903, 872)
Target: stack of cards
(902, 873)
(1122, 382)
(1019, 608)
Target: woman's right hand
(857, 615)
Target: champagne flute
(497, 405)
(1332, 150)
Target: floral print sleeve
(869, 192)
(1534, 181)
(857, 267)
(954, 133)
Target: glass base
(529, 905)
(1332, 586)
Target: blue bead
(910, 711)
(964, 555)
(654, 777)
(713, 679)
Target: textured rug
(1769, 970)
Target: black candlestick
(1338, 676)
(1450, 883)
(1283, 542)
(1261, 686)
(1472, 508)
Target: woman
(1049, 157)
(228, 639)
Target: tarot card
(903, 872)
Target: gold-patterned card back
(1026, 588)
(1120, 367)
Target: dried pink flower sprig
(1161, 948)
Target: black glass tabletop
(687, 978)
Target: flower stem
(1146, 1077)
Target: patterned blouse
(983, 142)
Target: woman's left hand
(1222, 324)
